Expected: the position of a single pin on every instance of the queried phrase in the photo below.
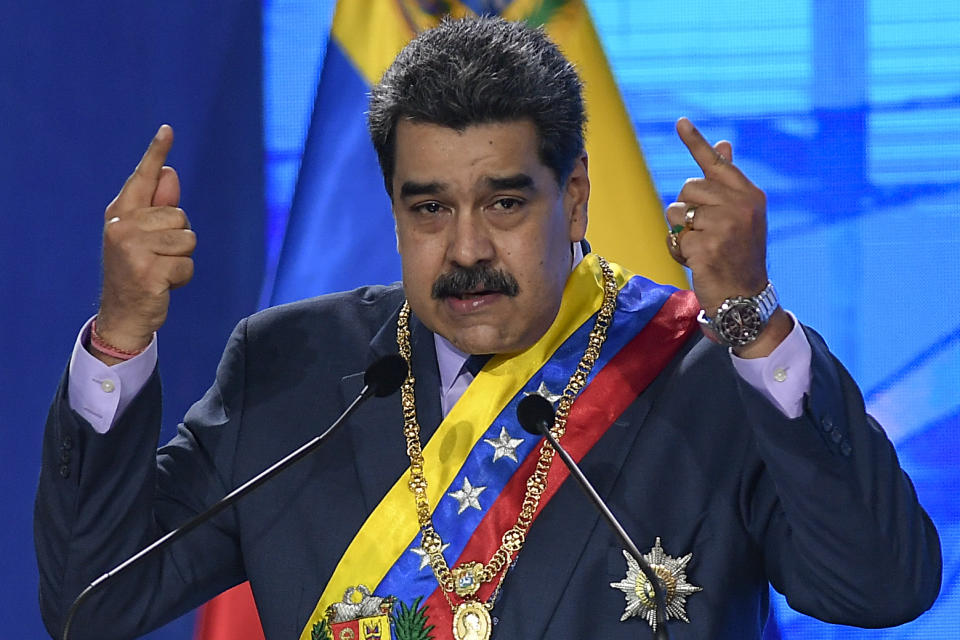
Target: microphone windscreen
(535, 414)
(386, 375)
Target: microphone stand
(542, 427)
(390, 376)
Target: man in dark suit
(735, 464)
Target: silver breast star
(467, 497)
(424, 556)
(639, 593)
(544, 392)
(504, 446)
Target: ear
(575, 197)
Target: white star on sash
(467, 497)
(424, 556)
(504, 446)
(544, 392)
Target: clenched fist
(147, 244)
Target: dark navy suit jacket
(817, 506)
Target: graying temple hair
(476, 71)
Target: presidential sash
(478, 461)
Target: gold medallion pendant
(471, 621)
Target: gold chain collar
(465, 579)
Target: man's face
(484, 231)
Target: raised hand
(147, 244)
(724, 240)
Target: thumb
(168, 189)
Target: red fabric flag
(230, 616)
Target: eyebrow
(411, 188)
(520, 181)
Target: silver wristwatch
(739, 321)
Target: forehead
(427, 152)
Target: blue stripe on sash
(639, 300)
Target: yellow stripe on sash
(392, 525)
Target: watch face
(738, 322)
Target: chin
(476, 340)
(488, 340)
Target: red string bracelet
(108, 349)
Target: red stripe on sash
(612, 390)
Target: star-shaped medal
(424, 556)
(543, 391)
(504, 446)
(672, 575)
(467, 497)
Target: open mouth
(470, 301)
(473, 295)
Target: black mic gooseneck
(381, 379)
(536, 416)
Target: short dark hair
(477, 71)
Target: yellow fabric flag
(626, 216)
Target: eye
(507, 204)
(428, 208)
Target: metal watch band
(765, 303)
(768, 301)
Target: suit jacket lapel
(376, 429)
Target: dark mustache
(476, 278)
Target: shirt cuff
(100, 393)
(783, 377)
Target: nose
(469, 242)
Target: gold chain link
(513, 539)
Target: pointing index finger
(139, 188)
(711, 161)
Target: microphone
(381, 379)
(536, 416)
(384, 377)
